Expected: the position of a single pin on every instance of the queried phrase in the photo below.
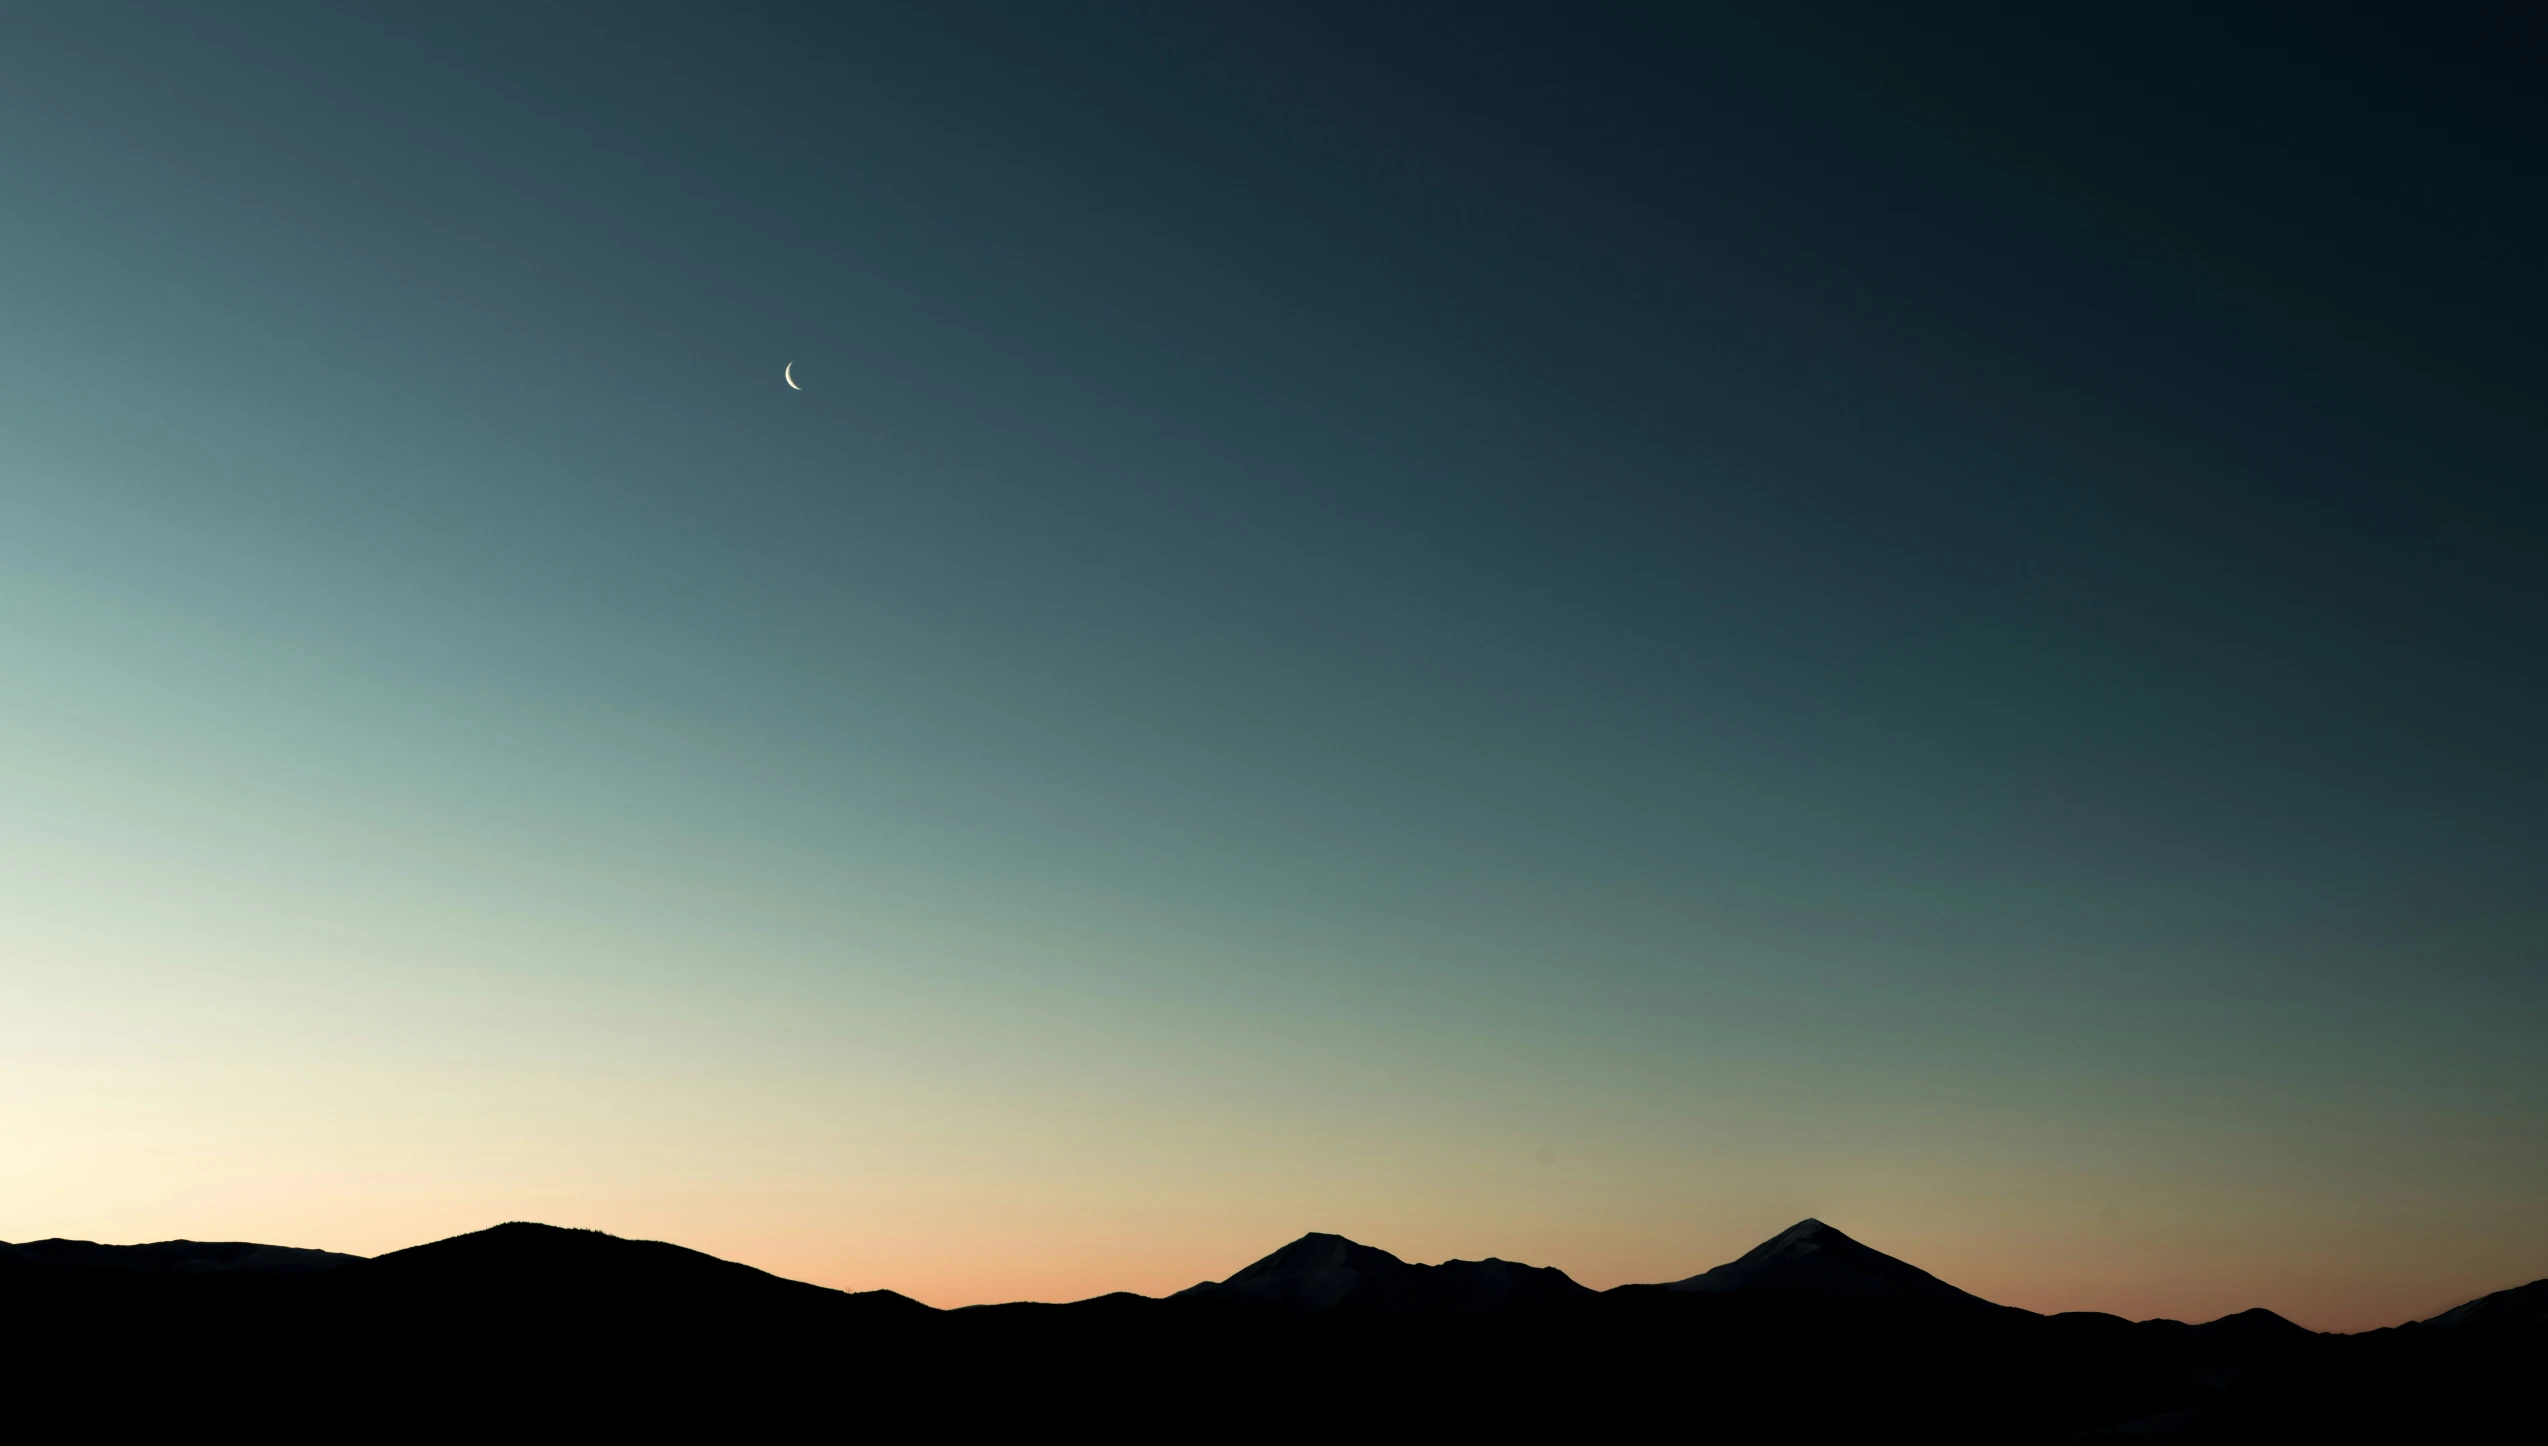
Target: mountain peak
(2255, 1324)
(1805, 1234)
(1317, 1272)
(1817, 1259)
(1321, 1272)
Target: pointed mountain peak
(1816, 1259)
(1803, 1238)
(1319, 1251)
(1321, 1272)
(2256, 1324)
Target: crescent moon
(788, 374)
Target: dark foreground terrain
(527, 1329)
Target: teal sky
(1500, 631)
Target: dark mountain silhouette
(2524, 1308)
(533, 1330)
(519, 1263)
(1812, 1257)
(2258, 1325)
(1326, 1272)
(173, 1257)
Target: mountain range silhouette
(173, 1257)
(1810, 1335)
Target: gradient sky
(1499, 629)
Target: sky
(1561, 632)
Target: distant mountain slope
(173, 1257)
(1321, 1272)
(586, 1270)
(2523, 1308)
(1813, 1258)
